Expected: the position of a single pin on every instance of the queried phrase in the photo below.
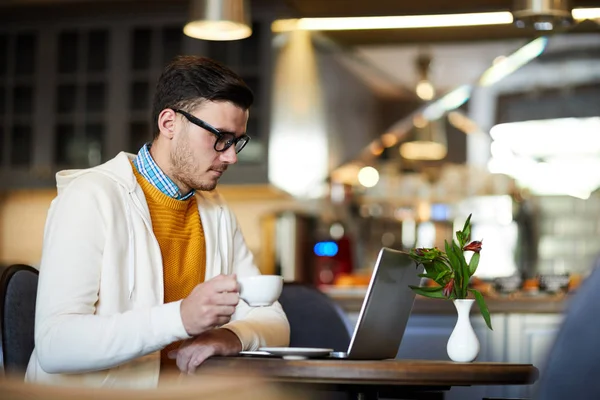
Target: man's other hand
(215, 342)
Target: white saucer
(297, 353)
(256, 353)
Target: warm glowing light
(423, 211)
(218, 19)
(368, 177)
(389, 139)
(425, 90)
(376, 148)
(586, 13)
(462, 122)
(423, 150)
(410, 21)
(284, 25)
(420, 121)
(346, 174)
(393, 22)
(298, 122)
(217, 30)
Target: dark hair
(190, 80)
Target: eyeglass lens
(227, 139)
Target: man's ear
(167, 123)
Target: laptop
(383, 315)
(385, 309)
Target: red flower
(448, 288)
(420, 251)
(473, 246)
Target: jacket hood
(117, 169)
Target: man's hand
(215, 342)
(210, 304)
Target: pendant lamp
(429, 141)
(219, 20)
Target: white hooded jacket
(100, 317)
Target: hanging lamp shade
(429, 141)
(542, 15)
(219, 20)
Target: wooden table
(416, 379)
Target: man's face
(194, 161)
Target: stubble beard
(182, 161)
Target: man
(140, 257)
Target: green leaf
(464, 270)
(454, 262)
(442, 275)
(467, 223)
(428, 275)
(427, 288)
(432, 292)
(458, 272)
(463, 235)
(482, 307)
(443, 262)
(432, 268)
(473, 263)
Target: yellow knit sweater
(178, 229)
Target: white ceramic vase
(463, 345)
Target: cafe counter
(351, 298)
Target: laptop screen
(386, 307)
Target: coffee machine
(287, 245)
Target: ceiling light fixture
(219, 20)
(393, 22)
(429, 143)
(424, 88)
(542, 15)
(586, 13)
(411, 21)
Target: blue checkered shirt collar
(148, 168)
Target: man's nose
(229, 156)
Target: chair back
(315, 319)
(18, 290)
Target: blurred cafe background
(365, 133)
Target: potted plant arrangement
(451, 272)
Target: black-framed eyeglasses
(224, 139)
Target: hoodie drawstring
(130, 250)
(222, 259)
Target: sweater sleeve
(69, 336)
(255, 326)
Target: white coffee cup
(260, 290)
